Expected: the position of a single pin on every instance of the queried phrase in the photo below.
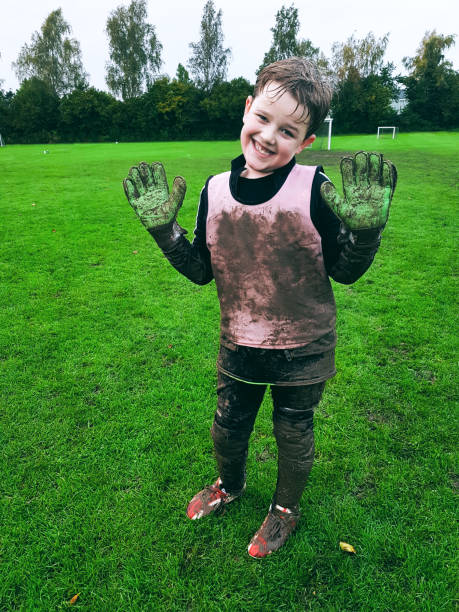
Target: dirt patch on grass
(377, 418)
(365, 488)
(265, 455)
(321, 158)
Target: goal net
(387, 131)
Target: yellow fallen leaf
(74, 598)
(347, 547)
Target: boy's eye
(287, 132)
(262, 117)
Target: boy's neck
(240, 161)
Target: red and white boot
(274, 532)
(210, 499)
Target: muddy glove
(148, 193)
(368, 185)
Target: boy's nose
(268, 134)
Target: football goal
(323, 136)
(2, 143)
(387, 129)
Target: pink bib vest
(267, 262)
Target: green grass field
(107, 385)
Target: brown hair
(302, 79)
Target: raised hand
(148, 193)
(368, 185)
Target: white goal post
(323, 135)
(329, 120)
(387, 127)
(2, 143)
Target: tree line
(55, 103)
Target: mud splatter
(270, 277)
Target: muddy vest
(267, 262)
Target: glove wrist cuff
(366, 236)
(167, 236)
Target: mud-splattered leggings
(237, 408)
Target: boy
(271, 232)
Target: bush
(86, 115)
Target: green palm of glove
(368, 184)
(148, 193)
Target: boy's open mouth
(260, 149)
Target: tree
(52, 57)
(209, 60)
(34, 112)
(135, 51)
(432, 87)
(356, 59)
(359, 106)
(5, 114)
(177, 107)
(285, 43)
(364, 85)
(182, 74)
(223, 108)
(87, 116)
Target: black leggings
(237, 408)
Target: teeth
(261, 149)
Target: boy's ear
(307, 141)
(248, 104)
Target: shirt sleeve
(347, 256)
(193, 260)
(200, 239)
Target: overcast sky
(246, 26)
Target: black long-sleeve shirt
(346, 255)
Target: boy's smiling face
(274, 131)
